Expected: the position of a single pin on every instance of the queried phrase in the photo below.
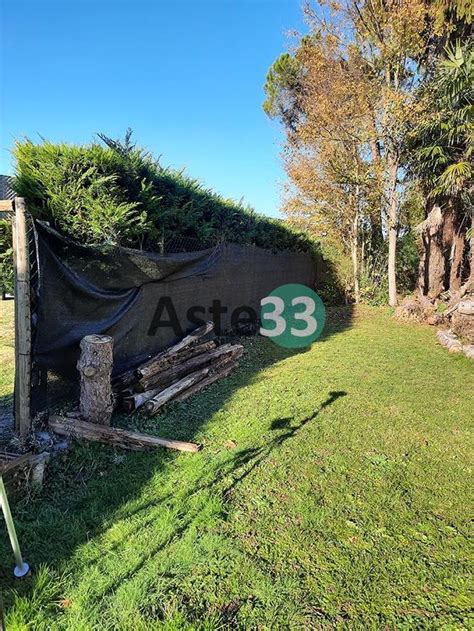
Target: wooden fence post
(22, 319)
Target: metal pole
(22, 568)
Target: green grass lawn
(333, 490)
(7, 347)
(7, 358)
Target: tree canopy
(376, 102)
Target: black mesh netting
(144, 300)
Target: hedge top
(114, 192)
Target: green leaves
(6, 257)
(281, 89)
(440, 146)
(118, 194)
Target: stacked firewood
(177, 372)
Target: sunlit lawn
(7, 350)
(333, 490)
(7, 346)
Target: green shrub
(374, 279)
(116, 193)
(6, 257)
(408, 259)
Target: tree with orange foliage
(345, 97)
(327, 155)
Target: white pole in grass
(22, 568)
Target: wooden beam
(22, 320)
(6, 205)
(74, 428)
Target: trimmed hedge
(116, 193)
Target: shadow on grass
(238, 466)
(255, 457)
(6, 420)
(338, 319)
(85, 492)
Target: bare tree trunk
(354, 255)
(392, 257)
(392, 233)
(95, 366)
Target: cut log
(115, 436)
(174, 373)
(130, 380)
(228, 355)
(124, 380)
(165, 367)
(95, 366)
(463, 326)
(153, 405)
(154, 365)
(207, 381)
(468, 350)
(134, 401)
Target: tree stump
(95, 366)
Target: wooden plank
(22, 319)
(6, 205)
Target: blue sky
(186, 75)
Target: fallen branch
(459, 295)
(114, 436)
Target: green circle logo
(292, 316)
